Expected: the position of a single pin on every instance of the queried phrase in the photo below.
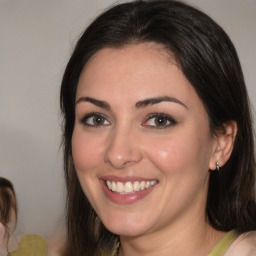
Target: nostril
(122, 148)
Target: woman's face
(141, 144)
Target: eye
(95, 119)
(159, 121)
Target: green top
(35, 245)
(222, 246)
(219, 250)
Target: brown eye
(98, 120)
(95, 119)
(159, 121)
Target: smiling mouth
(129, 187)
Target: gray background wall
(36, 39)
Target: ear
(223, 144)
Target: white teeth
(142, 185)
(129, 187)
(119, 187)
(136, 186)
(113, 186)
(153, 182)
(109, 185)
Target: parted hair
(208, 59)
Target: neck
(189, 240)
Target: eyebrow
(139, 104)
(152, 101)
(99, 103)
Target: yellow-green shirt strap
(222, 246)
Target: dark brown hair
(7, 203)
(209, 61)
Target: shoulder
(244, 245)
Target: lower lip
(125, 198)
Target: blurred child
(29, 244)
(8, 217)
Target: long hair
(7, 203)
(208, 59)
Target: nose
(122, 149)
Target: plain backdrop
(36, 40)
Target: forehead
(136, 59)
(139, 71)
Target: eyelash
(168, 120)
(84, 120)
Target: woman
(157, 134)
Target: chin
(126, 232)
(125, 228)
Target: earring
(217, 166)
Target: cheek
(86, 157)
(168, 156)
(85, 151)
(180, 153)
